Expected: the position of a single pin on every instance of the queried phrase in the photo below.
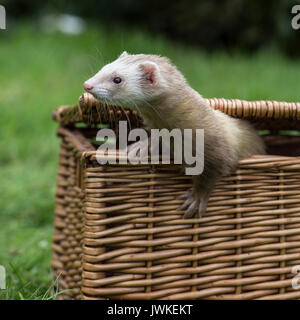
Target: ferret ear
(150, 72)
(124, 54)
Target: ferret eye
(117, 80)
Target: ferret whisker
(90, 117)
(134, 104)
(104, 107)
(99, 114)
(107, 112)
(124, 111)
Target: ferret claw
(202, 207)
(182, 196)
(193, 204)
(186, 203)
(185, 195)
(191, 210)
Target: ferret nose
(87, 86)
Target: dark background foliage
(230, 24)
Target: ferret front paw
(142, 149)
(139, 149)
(194, 203)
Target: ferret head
(131, 80)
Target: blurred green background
(239, 49)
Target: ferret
(160, 92)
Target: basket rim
(89, 110)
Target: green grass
(39, 72)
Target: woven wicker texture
(67, 236)
(118, 234)
(264, 114)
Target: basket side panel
(66, 258)
(137, 246)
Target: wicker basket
(118, 234)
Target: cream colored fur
(155, 87)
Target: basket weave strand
(264, 113)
